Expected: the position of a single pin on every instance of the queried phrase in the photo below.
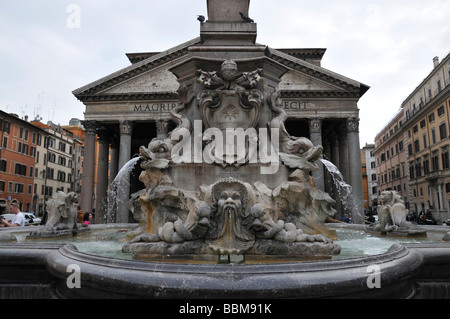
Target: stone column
(87, 180)
(123, 194)
(102, 177)
(355, 170)
(335, 151)
(114, 160)
(335, 159)
(315, 133)
(343, 152)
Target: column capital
(90, 127)
(126, 127)
(315, 125)
(353, 124)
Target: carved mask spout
(230, 236)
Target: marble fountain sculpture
(392, 215)
(222, 184)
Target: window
(51, 157)
(433, 136)
(422, 124)
(447, 188)
(435, 161)
(431, 117)
(7, 127)
(3, 165)
(424, 141)
(441, 110)
(19, 188)
(411, 170)
(426, 165)
(443, 131)
(445, 160)
(415, 129)
(418, 169)
(20, 169)
(374, 177)
(62, 161)
(416, 146)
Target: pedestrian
(80, 215)
(87, 218)
(19, 219)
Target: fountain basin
(42, 270)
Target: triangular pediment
(141, 77)
(295, 81)
(306, 77)
(152, 77)
(154, 81)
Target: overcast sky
(48, 48)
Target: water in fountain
(344, 190)
(120, 183)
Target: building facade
(390, 155)
(371, 195)
(56, 165)
(19, 143)
(427, 124)
(128, 108)
(412, 151)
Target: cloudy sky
(51, 47)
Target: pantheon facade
(130, 107)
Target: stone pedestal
(227, 10)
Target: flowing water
(120, 183)
(345, 194)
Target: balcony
(434, 175)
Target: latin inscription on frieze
(155, 107)
(169, 106)
(295, 105)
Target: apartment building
(79, 133)
(426, 127)
(371, 187)
(19, 143)
(390, 158)
(56, 164)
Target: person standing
(80, 215)
(19, 219)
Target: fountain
(229, 208)
(232, 188)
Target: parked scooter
(412, 217)
(426, 219)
